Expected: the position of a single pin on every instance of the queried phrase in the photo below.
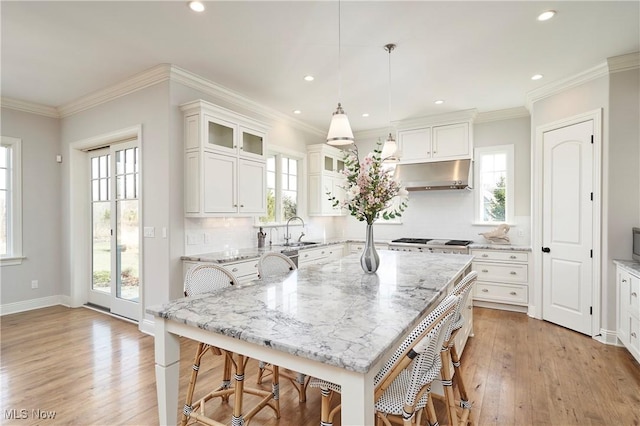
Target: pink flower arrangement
(370, 188)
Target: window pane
(3, 223)
(119, 162)
(129, 160)
(271, 164)
(119, 187)
(289, 204)
(3, 179)
(95, 168)
(285, 165)
(293, 166)
(137, 160)
(130, 186)
(271, 180)
(4, 152)
(95, 190)
(293, 183)
(104, 166)
(500, 162)
(103, 189)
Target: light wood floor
(92, 369)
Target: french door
(115, 229)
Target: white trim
(565, 84)
(30, 107)
(502, 114)
(467, 115)
(608, 337)
(14, 235)
(11, 261)
(29, 305)
(598, 199)
(147, 326)
(626, 62)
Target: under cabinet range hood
(454, 174)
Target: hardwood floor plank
(93, 369)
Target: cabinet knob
(513, 293)
(234, 270)
(485, 255)
(241, 205)
(485, 270)
(512, 257)
(235, 205)
(306, 255)
(484, 290)
(634, 294)
(235, 146)
(634, 335)
(435, 152)
(513, 273)
(624, 280)
(241, 148)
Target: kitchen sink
(300, 244)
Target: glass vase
(369, 259)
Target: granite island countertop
(630, 265)
(333, 312)
(489, 246)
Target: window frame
(14, 254)
(509, 184)
(280, 152)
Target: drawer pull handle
(634, 294)
(624, 280)
(513, 273)
(484, 290)
(512, 257)
(513, 293)
(485, 270)
(634, 335)
(485, 255)
(234, 270)
(306, 255)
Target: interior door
(567, 226)
(115, 236)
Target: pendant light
(390, 147)
(339, 130)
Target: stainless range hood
(454, 174)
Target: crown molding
(142, 80)
(627, 62)
(380, 133)
(203, 85)
(556, 87)
(30, 107)
(502, 114)
(434, 120)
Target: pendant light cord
(339, 55)
(389, 47)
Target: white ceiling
(473, 54)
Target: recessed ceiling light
(439, 102)
(546, 15)
(536, 77)
(366, 114)
(196, 6)
(308, 78)
(297, 111)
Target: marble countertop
(485, 246)
(630, 265)
(332, 312)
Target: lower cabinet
(503, 279)
(244, 271)
(628, 308)
(320, 254)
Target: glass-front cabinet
(225, 173)
(326, 164)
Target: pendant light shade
(390, 148)
(339, 130)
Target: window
(283, 187)
(494, 184)
(10, 201)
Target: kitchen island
(330, 321)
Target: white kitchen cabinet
(311, 256)
(225, 162)
(503, 279)
(244, 271)
(628, 308)
(325, 177)
(356, 247)
(436, 143)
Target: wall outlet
(149, 232)
(34, 283)
(520, 233)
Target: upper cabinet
(225, 162)
(436, 138)
(326, 164)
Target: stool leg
(457, 377)
(447, 385)
(327, 396)
(186, 411)
(431, 412)
(238, 419)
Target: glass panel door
(115, 225)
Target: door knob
(546, 249)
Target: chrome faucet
(287, 236)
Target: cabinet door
(451, 141)
(252, 187)
(624, 293)
(219, 183)
(192, 182)
(219, 135)
(252, 143)
(415, 145)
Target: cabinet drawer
(504, 293)
(501, 272)
(634, 295)
(501, 255)
(313, 255)
(634, 337)
(242, 269)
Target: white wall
(41, 193)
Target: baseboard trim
(500, 306)
(29, 305)
(608, 337)
(147, 326)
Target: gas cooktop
(432, 241)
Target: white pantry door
(567, 226)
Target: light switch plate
(149, 232)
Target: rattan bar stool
(273, 264)
(450, 357)
(403, 385)
(208, 278)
